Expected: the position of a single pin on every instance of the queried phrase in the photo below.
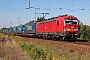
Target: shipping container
(30, 28)
(3, 30)
(20, 29)
(13, 29)
(7, 30)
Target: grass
(10, 50)
(37, 51)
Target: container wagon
(30, 29)
(20, 30)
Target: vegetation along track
(82, 47)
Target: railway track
(82, 42)
(79, 42)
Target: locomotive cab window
(74, 22)
(68, 21)
(71, 21)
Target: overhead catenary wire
(10, 8)
(49, 10)
(64, 5)
(61, 7)
(74, 5)
(67, 8)
(52, 5)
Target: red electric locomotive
(60, 27)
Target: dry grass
(10, 50)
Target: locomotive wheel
(39, 37)
(74, 39)
(55, 39)
(61, 39)
(44, 37)
(52, 37)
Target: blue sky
(14, 10)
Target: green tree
(31, 21)
(40, 19)
(88, 32)
(84, 31)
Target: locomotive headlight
(67, 29)
(76, 29)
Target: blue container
(16, 29)
(30, 28)
(20, 29)
(8, 30)
(4, 30)
(13, 29)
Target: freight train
(60, 28)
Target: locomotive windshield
(71, 21)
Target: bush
(37, 52)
